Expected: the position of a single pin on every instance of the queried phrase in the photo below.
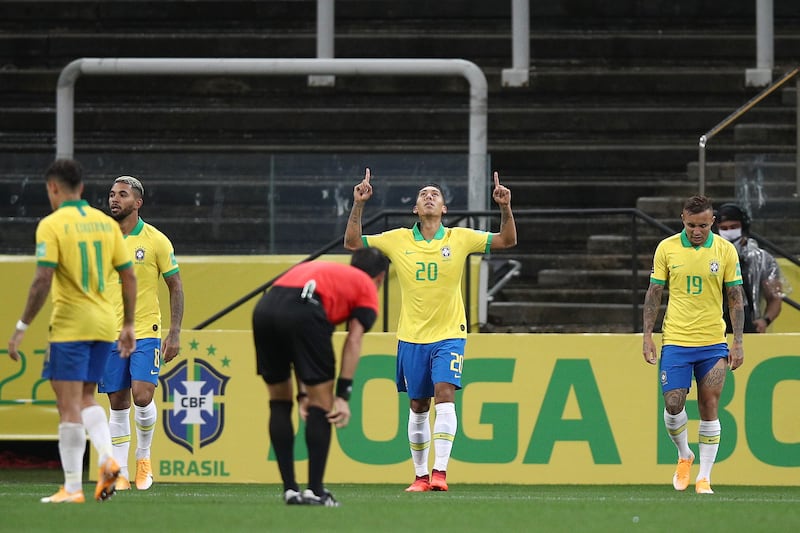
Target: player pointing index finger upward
(501, 195)
(363, 191)
(429, 259)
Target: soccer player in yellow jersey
(153, 259)
(700, 269)
(429, 259)
(77, 247)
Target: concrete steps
(565, 318)
(619, 94)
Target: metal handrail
(730, 119)
(774, 248)
(457, 216)
(513, 272)
(226, 66)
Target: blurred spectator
(761, 275)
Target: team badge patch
(446, 252)
(663, 377)
(713, 266)
(139, 254)
(196, 392)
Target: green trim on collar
(418, 234)
(75, 203)
(137, 229)
(80, 204)
(688, 244)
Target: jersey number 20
(427, 271)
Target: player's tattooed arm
(352, 233)
(507, 236)
(736, 307)
(652, 303)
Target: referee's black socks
(318, 441)
(281, 434)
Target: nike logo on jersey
(673, 267)
(409, 252)
(154, 372)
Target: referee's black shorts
(292, 332)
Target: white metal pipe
(519, 73)
(478, 97)
(325, 18)
(520, 29)
(325, 36)
(765, 35)
(701, 165)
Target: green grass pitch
(228, 508)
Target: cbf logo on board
(196, 391)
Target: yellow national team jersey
(430, 275)
(697, 276)
(153, 257)
(83, 245)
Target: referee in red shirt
(292, 328)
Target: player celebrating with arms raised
(430, 259)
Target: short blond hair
(133, 182)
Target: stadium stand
(619, 94)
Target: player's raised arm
(363, 190)
(361, 193)
(507, 237)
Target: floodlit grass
(231, 508)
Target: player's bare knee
(421, 406)
(674, 401)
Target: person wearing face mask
(761, 275)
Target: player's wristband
(21, 326)
(768, 320)
(344, 387)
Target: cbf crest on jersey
(196, 392)
(713, 266)
(446, 252)
(139, 254)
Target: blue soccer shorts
(419, 366)
(679, 362)
(77, 361)
(143, 365)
